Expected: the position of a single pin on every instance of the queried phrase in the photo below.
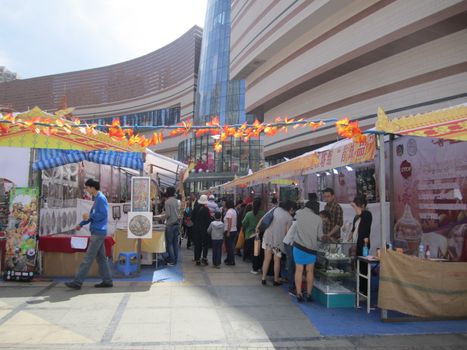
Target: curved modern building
(218, 96)
(326, 59)
(155, 89)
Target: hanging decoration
(43, 123)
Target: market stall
(55, 142)
(430, 222)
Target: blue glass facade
(218, 96)
(164, 116)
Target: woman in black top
(201, 221)
(361, 223)
(362, 228)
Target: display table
(334, 281)
(156, 244)
(61, 260)
(366, 260)
(62, 244)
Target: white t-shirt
(231, 213)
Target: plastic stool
(127, 263)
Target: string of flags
(49, 124)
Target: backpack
(266, 220)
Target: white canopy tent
(166, 170)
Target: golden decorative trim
(420, 120)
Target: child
(216, 230)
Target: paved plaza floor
(207, 309)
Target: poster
(21, 247)
(114, 193)
(430, 182)
(140, 194)
(140, 225)
(124, 189)
(106, 180)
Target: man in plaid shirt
(332, 230)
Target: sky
(56, 36)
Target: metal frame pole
(382, 199)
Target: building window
(165, 116)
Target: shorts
(303, 258)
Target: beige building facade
(156, 89)
(332, 59)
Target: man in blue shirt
(96, 248)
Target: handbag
(187, 222)
(240, 240)
(257, 246)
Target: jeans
(230, 241)
(290, 265)
(96, 250)
(171, 241)
(201, 245)
(217, 251)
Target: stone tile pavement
(211, 309)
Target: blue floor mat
(356, 322)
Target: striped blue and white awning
(51, 158)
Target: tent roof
(449, 123)
(335, 155)
(167, 169)
(76, 140)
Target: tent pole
(382, 198)
(138, 243)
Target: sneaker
(293, 292)
(73, 285)
(309, 298)
(205, 262)
(254, 272)
(170, 264)
(217, 267)
(198, 263)
(300, 298)
(104, 285)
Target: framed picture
(140, 194)
(126, 208)
(140, 225)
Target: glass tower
(218, 96)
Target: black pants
(249, 248)
(258, 260)
(189, 235)
(217, 251)
(201, 245)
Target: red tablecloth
(62, 244)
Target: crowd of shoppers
(282, 235)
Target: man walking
(171, 229)
(332, 230)
(96, 248)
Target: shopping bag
(240, 240)
(257, 246)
